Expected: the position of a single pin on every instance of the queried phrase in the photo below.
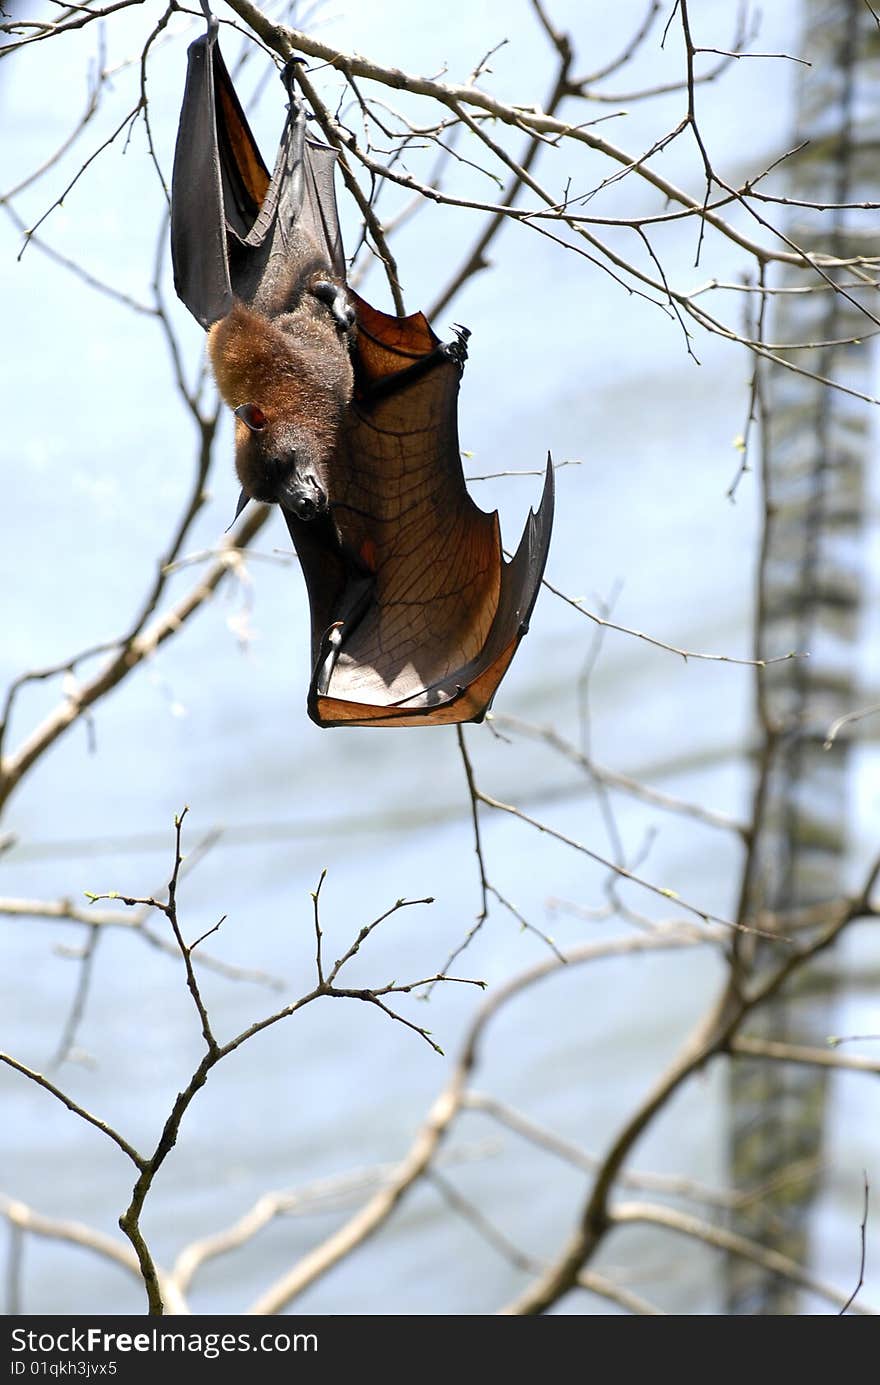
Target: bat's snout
(304, 497)
(305, 508)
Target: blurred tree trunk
(814, 444)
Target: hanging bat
(346, 417)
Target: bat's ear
(252, 417)
(242, 501)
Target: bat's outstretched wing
(235, 229)
(421, 615)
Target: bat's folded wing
(230, 220)
(428, 612)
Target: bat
(346, 417)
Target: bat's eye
(252, 417)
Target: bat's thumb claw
(457, 350)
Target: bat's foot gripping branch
(288, 72)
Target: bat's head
(278, 461)
(289, 382)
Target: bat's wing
(415, 614)
(234, 229)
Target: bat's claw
(213, 21)
(287, 73)
(330, 646)
(457, 350)
(336, 297)
(355, 600)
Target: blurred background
(99, 458)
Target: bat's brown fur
(296, 368)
